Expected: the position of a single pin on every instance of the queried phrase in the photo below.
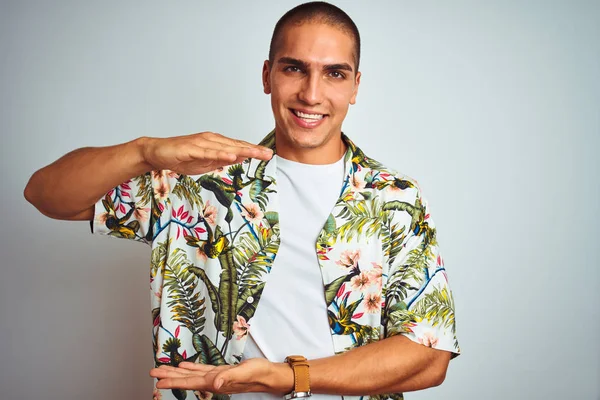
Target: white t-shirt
(291, 317)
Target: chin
(306, 139)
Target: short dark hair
(316, 11)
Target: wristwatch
(301, 378)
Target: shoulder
(376, 175)
(387, 183)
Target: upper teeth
(308, 116)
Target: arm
(391, 365)
(96, 170)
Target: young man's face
(312, 82)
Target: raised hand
(98, 169)
(253, 375)
(198, 153)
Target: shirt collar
(262, 169)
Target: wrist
(280, 380)
(141, 146)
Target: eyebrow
(304, 65)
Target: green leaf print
(437, 307)
(272, 218)
(213, 294)
(185, 302)
(209, 354)
(158, 258)
(400, 320)
(224, 298)
(228, 292)
(248, 300)
(411, 273)
(253, 255)
(189, 190)
(145, 192)
(392, 241)
(416, 211)
(362, 219)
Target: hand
(199, 153)
(253, 375)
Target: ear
(266, 77)
(355, 90)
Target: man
(340, 252)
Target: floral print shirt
(215, 236)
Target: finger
(237, 142)
(187, 383)
(196, 153)
(196, 367)
(162, 373)
(222, 153)
(174, 369)
(233, 148)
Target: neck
(328, 152)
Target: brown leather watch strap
(301, 375)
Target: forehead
(316, 43)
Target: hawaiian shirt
(215, 236)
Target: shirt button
(274, 237)
(250, 299)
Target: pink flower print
(156, 395)
(157, 174)
(161, 191)
(202, 395)
(372, 303)
(171, 174)
(159, 292)
(240, 327)
(141, 214)
(348, 258)
(252, 213)
(360, 282)
(393, 188)
(102, 217)
(375, 275)
(209, 213)
(201, 255)
(357, 182)
(429, 339)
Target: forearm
(391, 365)
(74, 183)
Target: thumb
(220, 380)
(227, 377)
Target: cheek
(341, 101)
(340, 97)
(282, 89)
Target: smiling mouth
(308, 117)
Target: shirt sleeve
(133, 209)
(419, 303)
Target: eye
(291, 68)
(337, 75)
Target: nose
(311, 92)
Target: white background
(493, 106)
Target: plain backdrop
(493, 106)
